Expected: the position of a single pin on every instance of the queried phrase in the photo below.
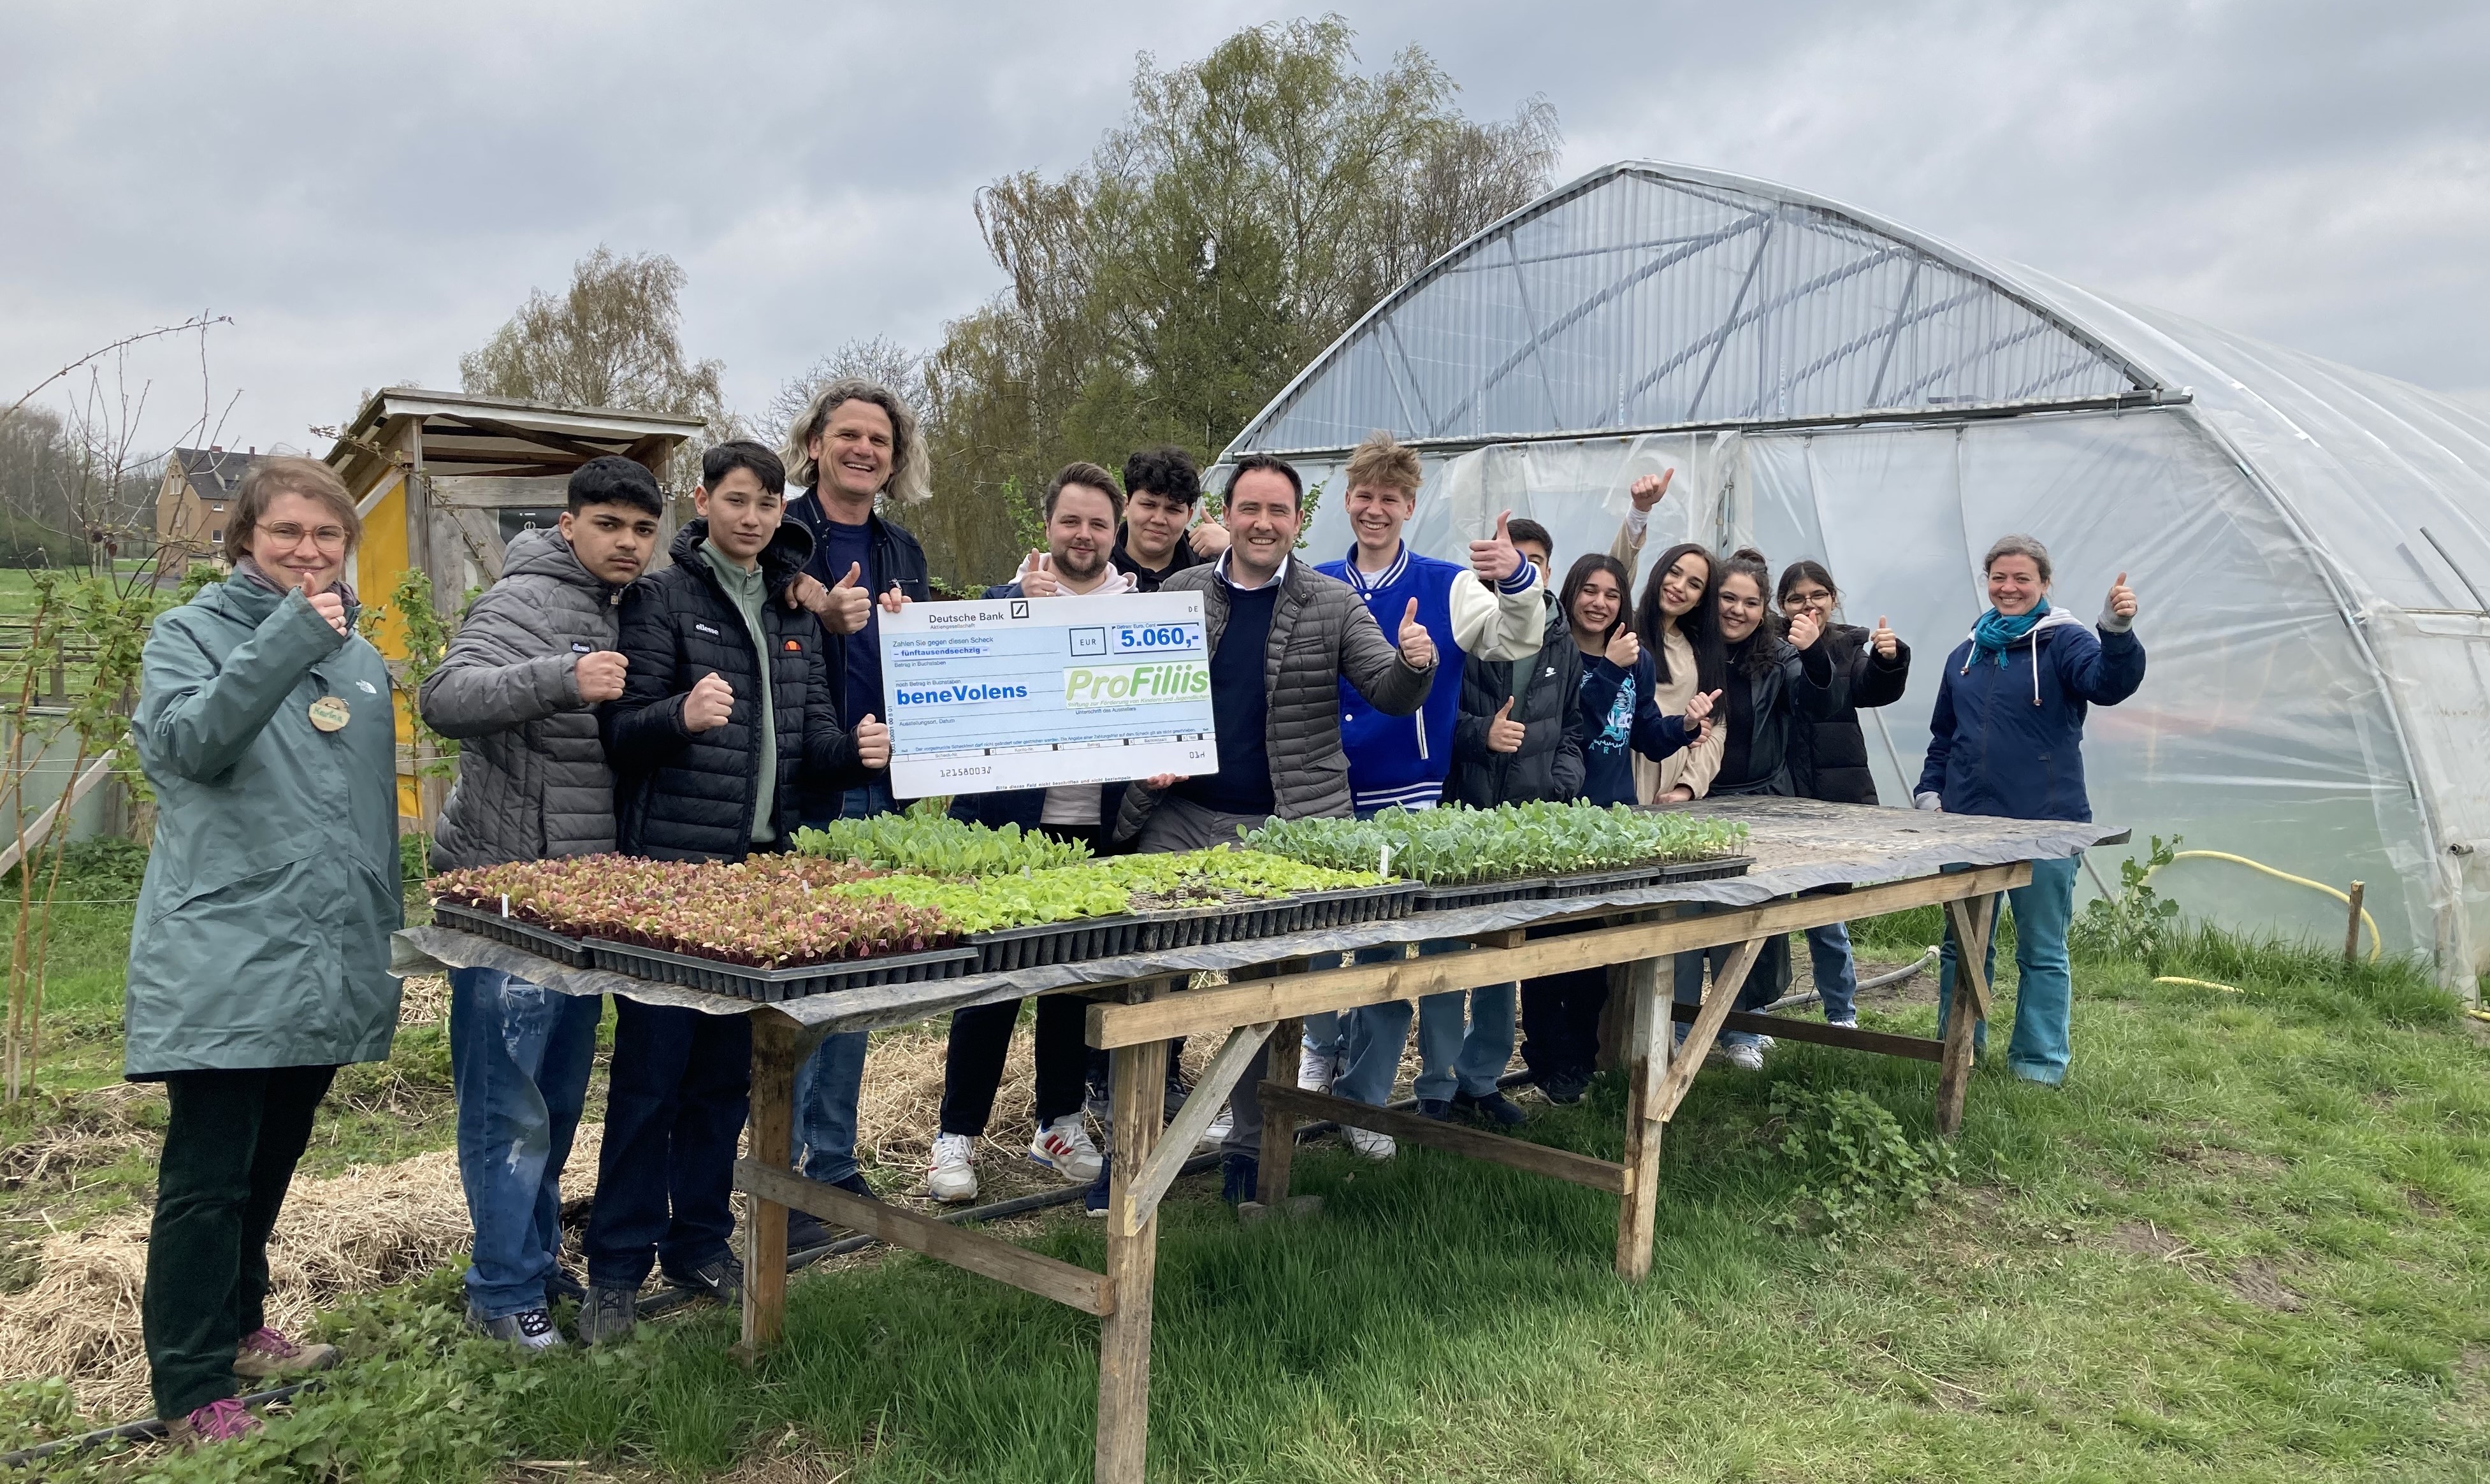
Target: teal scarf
(1995, 630)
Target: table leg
(777, 1045)
(1279, 1128)
(1647, 1047)
(1139, 1074)
(1971, 922)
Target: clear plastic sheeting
(2310, 543)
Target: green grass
(2245, 1241)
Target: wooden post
(1970, 923)
(1646, 1045)
(777, 1045)
(1139, 1074)
(1279, 1124)
(2352, 930)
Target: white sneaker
(1314, 1071)
(1745, 1055)
(1063, 1146)
(1845, 1023)
(953, 1177)
(1373, 1146)
(1763, 1044)
(1220, 1129)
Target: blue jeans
(519, 1058)
(828, 1083)
(677, 1096)
(1367, 1041)
(1837, 976)
(1458, 1058)
(2043, 983)
(1763, 984)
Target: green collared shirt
(747, 591)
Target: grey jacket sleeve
(498, 674)
(1373, 665)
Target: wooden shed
(443, 480)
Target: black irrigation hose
(666, 1301)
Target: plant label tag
(329, 714)
(1383, 866)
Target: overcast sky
(370, 190)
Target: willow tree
(1247, 210)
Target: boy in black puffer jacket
(709, 756)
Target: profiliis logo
(1130, 685)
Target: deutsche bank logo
(1020, 607)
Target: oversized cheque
(1027, 693)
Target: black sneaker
(805, 1231)
(1239, 1175)
(561, 1285)
(1436, 1109)
(1565, 1088)
(1095, 1201)
(1493, 1107)
(607, 1314)
(721, 1278)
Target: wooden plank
(1138, 1078)
(1216, 1010)
(1279, 1125)
(777, 1046)
(1501, 938)
(1030, 1271)
(1690, 1054)
(1452, 1138)
(1882, 1042)
(1646, 1050)
(1971, 928)
(1149, 1183)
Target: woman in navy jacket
(2006, 738)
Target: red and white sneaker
(1063, 1146)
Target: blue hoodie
(1403, 759)
(2008, 739)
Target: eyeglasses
(287, 533)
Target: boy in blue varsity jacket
(1490, 610)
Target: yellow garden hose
(2377, 945)
(2197, 984)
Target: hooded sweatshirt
(2008, 739)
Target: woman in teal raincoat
(259, 960)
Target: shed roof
(465, 434)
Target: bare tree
(879, 359)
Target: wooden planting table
(1814, 863)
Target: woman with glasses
(1833, 751)
(260, 962)
(1774, 685)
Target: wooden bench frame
(1258, 1015)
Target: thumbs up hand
(842, 609)
(1650, 489)
(1625, 647)
(2121, 600)
(872, 743)
(1417, 645)
(1805, 629)
(1496, 558)
(1037, 577)
(1504, 734)
(1887, 645)
(1698, 710)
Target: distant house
(199, 487)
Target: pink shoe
(265, 1354)
(222, 1421)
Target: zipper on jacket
(1421, 720)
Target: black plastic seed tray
(1348, 906)
(1706, 871)
(1067, 942)
(771, 986)
(1449, 898)
(543, 942)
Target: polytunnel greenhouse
(2308, 541)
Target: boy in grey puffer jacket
(519, 689)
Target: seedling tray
(1580, 883)
(1450, 898)
(771, 986)
(1149, 932)
(543, 942)
(1066, 942)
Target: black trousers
(678, 1092)
(1561, 1024)
(973, 1063)
(230, 1147)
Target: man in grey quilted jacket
(1282, 637)
(519, 689)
